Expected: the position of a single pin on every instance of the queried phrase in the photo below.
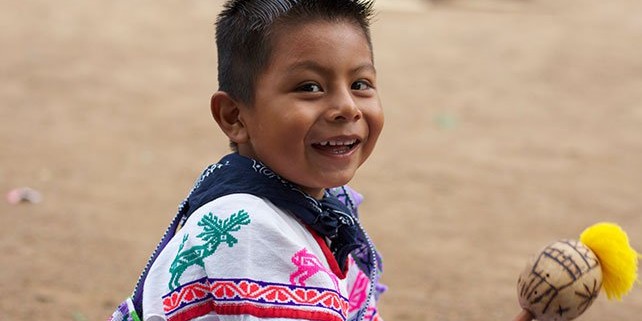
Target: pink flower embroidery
(307, 266)
(359, 292)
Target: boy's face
(316, 114)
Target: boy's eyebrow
(314, 66)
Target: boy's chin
(338, 182)
(318, 192)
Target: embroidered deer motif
(215, 232)
(307, 266)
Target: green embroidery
(215, 232)
(135, 316)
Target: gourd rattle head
(564, 279)
(561, 282)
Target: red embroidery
(276, 312)
(261, 299)
(334, 266)
(192, 312)
(189, 293)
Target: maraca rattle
(564, 279)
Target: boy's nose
(344, 108)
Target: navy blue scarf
(329, 217)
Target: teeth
(337, 142)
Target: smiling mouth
(337, 147)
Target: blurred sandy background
(510, 124)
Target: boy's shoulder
(258, 213)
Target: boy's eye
(310, 87)
(360, 85)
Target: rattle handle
(524, 316)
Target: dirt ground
(509, 124)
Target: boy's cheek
(376, 123)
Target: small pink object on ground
(23, 194)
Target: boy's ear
(226, 112)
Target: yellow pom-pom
(618, 259)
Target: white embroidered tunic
(239, 257)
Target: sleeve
(241, 258)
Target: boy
(271, 231)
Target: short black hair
(244, 29)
